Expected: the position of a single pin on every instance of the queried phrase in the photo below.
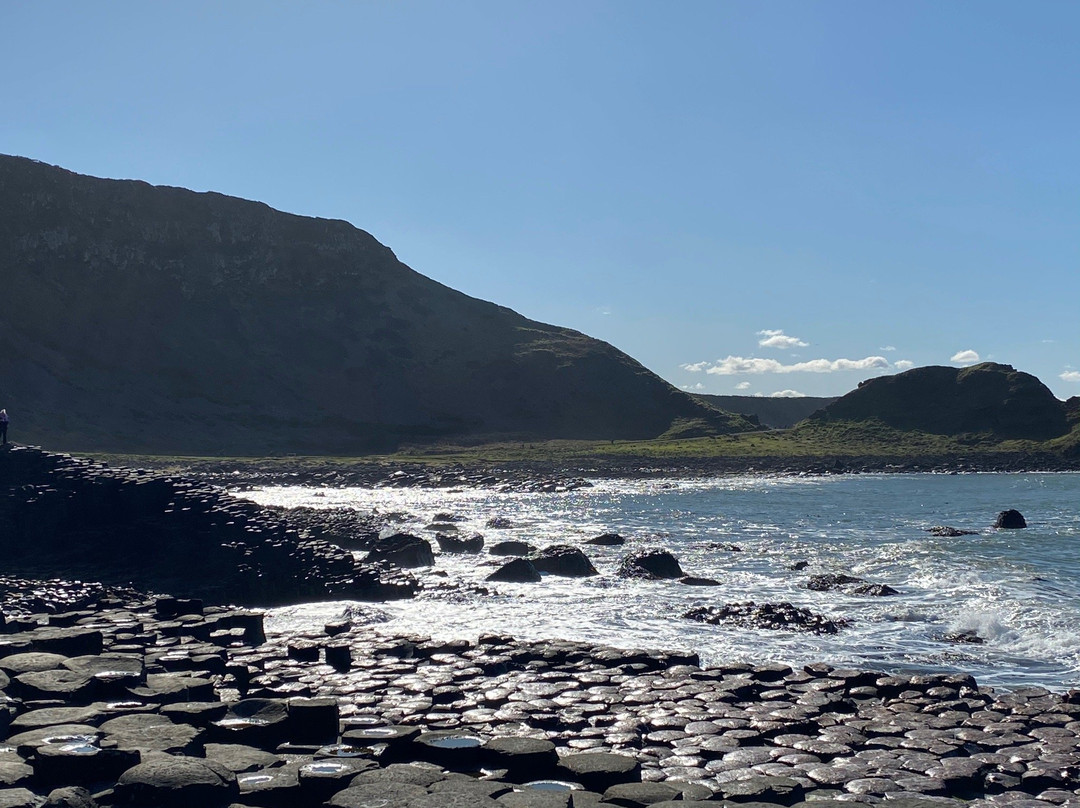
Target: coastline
(151, 678)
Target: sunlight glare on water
(1019, 591)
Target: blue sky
(748, 197)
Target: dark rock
(313, 720)
(849, 584)
(650, 564)
(1010, 520)
(460, 544)
(599, 771)
(499, 523)
(771, 616)
(775, 790)
(564, 560)
(455, 751)
(402, 550)
(691, 580)
(947, 532)
(529, 758)
(518, 571)
(640, 795)
(384, 795)
(177, 782)
(607, 540)
(70, 797)
(512, 548)
(238, 758)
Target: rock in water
(513, 548)
(402, 550)
(518, 571)
(1011, 519)
(607, 539)
(562, 559)
(473, 543)
(653, 564)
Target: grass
(807, 441)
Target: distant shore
(538, 474)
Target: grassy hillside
(158, 320)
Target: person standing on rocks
(3, 426)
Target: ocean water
(1017, 590)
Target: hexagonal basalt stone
(529, 758)
(384, 795)
(598, 771)
(177, 782)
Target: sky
(755, 198)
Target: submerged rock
(848, 584)
(947, 532)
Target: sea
(1015, 591)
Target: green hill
(776, 413)
(990, 400)
(152, 319)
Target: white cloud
(698, 386)
(733, 365)
(1070, 376)
(887, 348)
(742, 386)
(903, 364)
(782, 394)
(968, 357)
(696, 367)
(778, 339)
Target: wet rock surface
(772, 616)
(204, 708)
(67, 516)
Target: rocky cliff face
(141, 318)
(986, 399)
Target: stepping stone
(238, 758)
(14, 774)
(534, 798)
(598, 771)
(27, 743)
(385, 795)
(416, 774)
(70, 797)
(18, 798)
(321, 778)
(59, 684)
(270, 787)
(639, 795)
(529, 758)
(177, 782)
(775, 790)
(51, 716)
(30, 662)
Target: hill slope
(154, 319)
(986, 399)
(777, 413)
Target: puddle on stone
(323, 768)
(254, 779)
(80, 749)
(551, 785)
(345, 750)
(459, 742)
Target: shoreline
(766, 733)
